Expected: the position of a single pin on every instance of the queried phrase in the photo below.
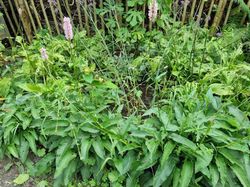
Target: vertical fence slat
(209, 13)
(94, 12)
(23, 16)
(86, 17)
(200, 11)
(13, 14)
(30, 15)
(218, 15)
(144, 13)
(79, 13)
(36, 14)
(45, 16)
(102, 19)
(192, 10)
(68, 9)
(184, 12)
(54, 17)
(8, 17)
(59, 9)
(228, 12)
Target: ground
(7, 177)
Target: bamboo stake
(24, 18)
(245, 15)
(218, 15)
(8, 17)
(228, 12)
(45, 16)
(68, 9)
(30, 16)
(13, 14)
(209, 13)
(54, 17)
(86, 16)
(102, 20)
(192, 10)
(59, 9)
(200, 12)
(184, 12)
(36, 14)
(79, 14)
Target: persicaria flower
(67, 27)
(152, 10)
(44, 54)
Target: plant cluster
(159, 108)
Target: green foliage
(159, 108)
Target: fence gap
(45, 16)
(54, 17)
(14, 15)
(36, 14)
(200, 12)
(8, 17)
(208, 17)
(60, 9)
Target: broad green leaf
(241, 174)
(5, 86)
(186, 173)
(85, 146)
(176, 177)
(203, 158)
(23, 150)
(21, 179)
(163, 172)
(214, 174)
(99, 148)
(221, 165)
(13, 150)
(179, 115)
(42, 183)
(182, 140)
(43, 166)
(233, 156)
(31, 139)
(221, 89)
(33, 88)
(69, 172)
(64, 161)
(124, 164)
(168, 149)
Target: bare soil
(7, 177)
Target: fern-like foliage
(244, 6)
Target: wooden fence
(29, 16)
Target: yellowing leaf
(22, 178)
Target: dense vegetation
(158, 108)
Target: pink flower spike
(152, 10)
(44, 54)
(67, 27)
